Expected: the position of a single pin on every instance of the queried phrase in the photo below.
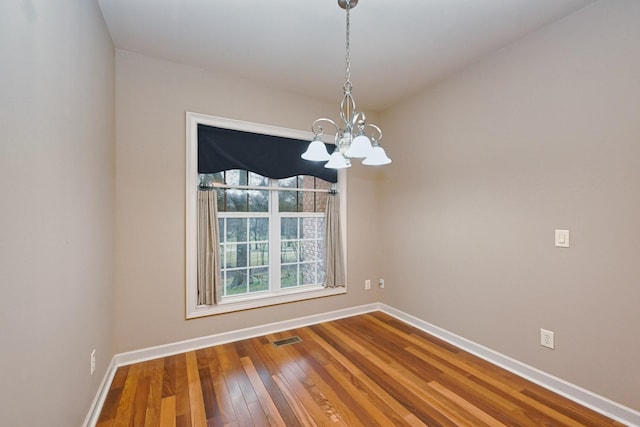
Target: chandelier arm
(359, 121)
(377, 129)
(317, 128)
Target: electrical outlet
(381, 283)
(93, 361)
(546, 339)
(367, 284)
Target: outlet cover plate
(562, 238)
(547, 339)
(93, 361)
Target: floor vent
(287, 341)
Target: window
(271, 231)
(260, 228)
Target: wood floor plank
(267, 366)
(110, 407)
(154, 400)
(126, 405)
(257, 415)
(308, 393)
(366, 370)
(268, 407)
(485, 418)
(306, 419)
(223, 366)
(232, 367)
(183, 408)
(168, 412)
(140, 401)
(196, 400)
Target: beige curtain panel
(209, 282)
(334, 256)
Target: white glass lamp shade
(360, 147)
(316, 152)
(337, 161)
(377, 157)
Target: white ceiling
(397, 46)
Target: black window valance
(275, 157)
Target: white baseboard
(584, 397)
(151, 353)
(240, 334)
(573, 392)
(94, 411)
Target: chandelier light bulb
(360, 147)
(316, 151)
(337, 161)
(378, 157)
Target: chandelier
(351, 139)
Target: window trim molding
(193, 310)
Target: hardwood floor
(367, 370)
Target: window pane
(308, 202)
(291, 182)
(321, 184)
(236, 230)
(259, 254)
(235, 177)
(289, 228)
(258, 229)
(259, 279)
(321, 200)
(289, 252)
(289, 275)
(221, 204)
(308, 273)
(288, 201)
(307, 199)
(303, 201)
(320, 244)
(235, 256)
(321, 273)
(309, 251)
(258, 201)
(236, 282)
(236, 200)
(256, 180)
(309, 229)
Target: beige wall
(544, 134)
(152, 97)
(57, 181)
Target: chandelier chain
(347, 83)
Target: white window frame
(237, 303)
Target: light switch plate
(562, 238)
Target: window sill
(256, 301)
